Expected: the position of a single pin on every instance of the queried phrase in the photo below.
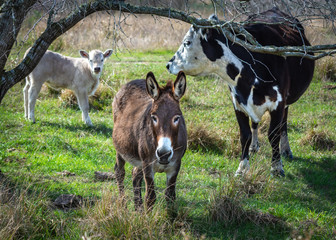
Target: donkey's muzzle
(164, 156)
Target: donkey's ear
(108, 53)
(84, 54)
(180, 85)
(152, 86)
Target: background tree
(61, 15)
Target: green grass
(211, 203)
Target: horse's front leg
(245, 141)
(274, 139)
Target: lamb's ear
(84, 54)
(152, 86)
(108, 53)
(180, 85)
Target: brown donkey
(150, 133)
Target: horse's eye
(187, 43)
(176, 119)
(154, 119)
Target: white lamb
(81, 75)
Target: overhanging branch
(55, 29)
(250, 44)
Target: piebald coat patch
(258, 82)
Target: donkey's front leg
(119, 170)
(170, 192)
(137, 176)
(149, 181)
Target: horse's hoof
(278, 173)
(287, 154)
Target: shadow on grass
(319, 174)
(99, 129)
(198, 218)
(237, 223)
(34, 186)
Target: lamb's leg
(25, 97)
(83, 102)
(33, 92)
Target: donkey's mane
(168, 88)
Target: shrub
(203, 137)
(319, 140)
(326, 69)
(109, 218)
(102, 98)
(227, 206)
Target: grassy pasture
(211, 203)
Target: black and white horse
(258, 82)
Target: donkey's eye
(154, 119)
(176, 119)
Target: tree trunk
(11, 17)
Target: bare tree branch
(12, 14)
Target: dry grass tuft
(319, 140)
(227, 210)
(226, 206)
(326, 69)
(204, 137)
(45, 90)
(109, 218)
(68, 98)
(103, 97)
(264, 124)
(256, 181)
(230, 211)
(18, 211)
(305, 231)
